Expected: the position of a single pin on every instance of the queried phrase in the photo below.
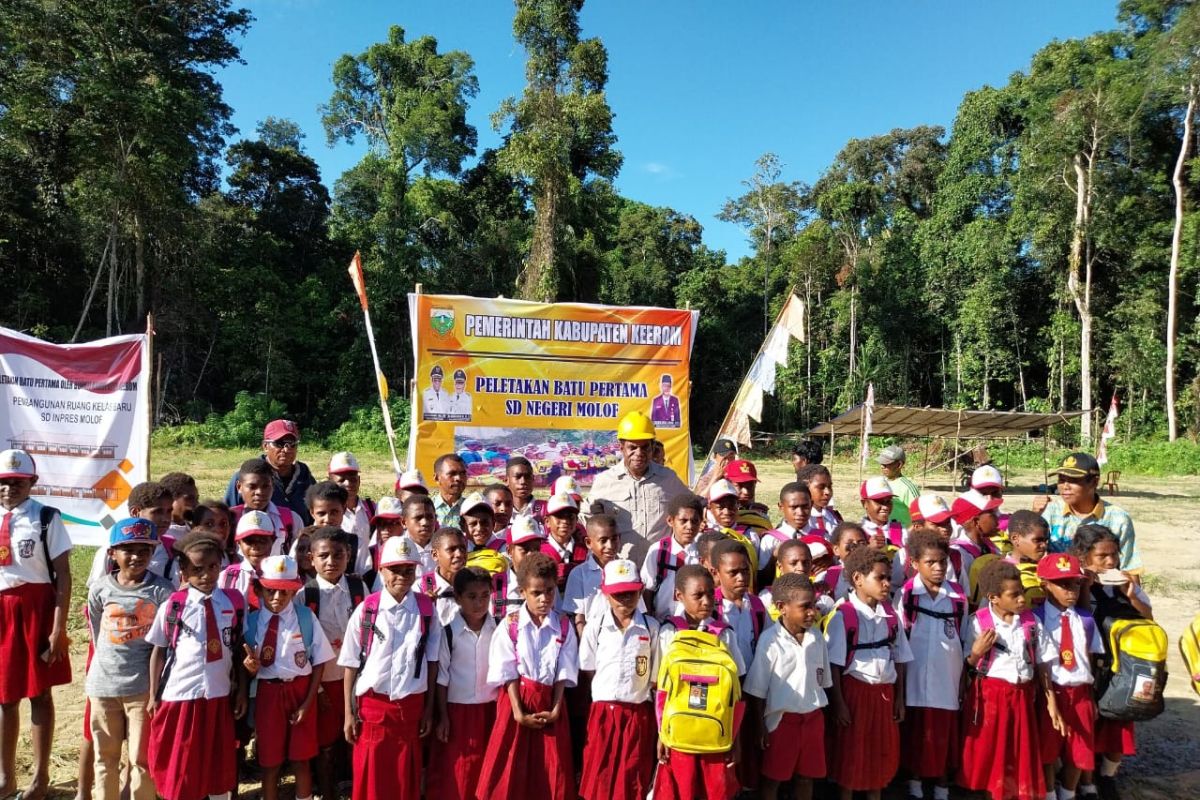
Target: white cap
(411, 479)
(343, 462)
(389, 508)
(399, 550)
(254, 523)
(987, 477)
(17, 464)
(525, 529)
(280, 572)
(621, 575)
(472, 502)
(720, 489)
(561, 501)
(565, 484)
(875, 488)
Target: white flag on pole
(1109, 432)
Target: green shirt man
(904, 491)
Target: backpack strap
(665, 562)
(895, 533)
(758, 617)
(46, 518)
(1028, 630)
(369, 505)
(174, 624)
(312, 596)
(358, 590)
(305, 618)
(955, 556)
(910, 605)
(288, 519)
(968, 547)
(500, 595)
(425, 607)
(352, 540)
(849, 617)
(448, 633)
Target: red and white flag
(868, 416)
(1109, 432)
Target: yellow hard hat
(635, 426)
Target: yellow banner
(496, 378)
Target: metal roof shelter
(942, 423)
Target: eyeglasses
(284, 444)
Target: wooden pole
(149, 388)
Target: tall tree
(769, 210)
(560, 135)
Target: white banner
(81, 411)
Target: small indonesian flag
(1109, 432)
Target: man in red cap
(281, 440)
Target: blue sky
(700, 89)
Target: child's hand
(550, 717)
(898, 707)
(240, 704)
(842, 713)
(442, 732)
(764, 740)
(664, 753)
(151, 706)
(302, 713)
(426, 723)
(250, 662)
(1131, 585)
(1040, 503)
(350, 729)
(983, 643)
(58, 645)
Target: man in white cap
(891, 464)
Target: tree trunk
(539, 280)
(1185, 149)
(1080, 287)
(110, 311)
(141, 291)
(853, 330)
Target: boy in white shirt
(584, 582)
(286, 651)
(390, 653)
(466, 704)
(685, 518)
(785, 689)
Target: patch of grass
(1172, 587)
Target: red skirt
(387, 755)
(523, 762)
(796, 748)
(1078, 709)
(691, 776)
(866, 753)
(1114, 736)
(278, 738)
(26, 618)
(618, 761)
(454, 766)
(192, 751)
(1001, 753)
(930, 742)
(331, 713)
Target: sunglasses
(284, 444)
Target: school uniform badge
(25, 548)
(301, 658)
(267, 654)
(642, 666)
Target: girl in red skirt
(533, 659)
(35, 595)
(1008, 650)
(390, 653)
(197, 687)
(620, 648)
(466, 704)
(1099, 551)
(867, 653)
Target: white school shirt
(790, 675)
(667, 631)
(243, 580)
(625, 662)
(768, 543)
(877, 665)
(1081, 674)
(818, 517)
(443, 599)
(1011, 663)
(464, 671)
(742, 621)
(281, 531)
(872, 528)
(358, 523)
(901, 573)
(541, 653)
(583, 586)
(428, 564)
(933, 678)
(28, 556)
(193, 678)
(334, 609)
(391, 669)
(292, 659)
(664, 595)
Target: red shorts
(930, 742)
(331, 713)
(687, 776)
(796, 748)
(1114, 736)
(278, 739)
(1078, 709)
(26, 617)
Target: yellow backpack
(489, 560)
(1133, 688)
(751, 550)
(1030, 582)
(700, 687)
(977, 567)
(1189, 648)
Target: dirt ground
(1165, 512)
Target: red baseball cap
(1059, 567)
(741, 471)
(971, 503)
(279, 429)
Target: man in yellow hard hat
(636, 491)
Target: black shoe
(1107, 787)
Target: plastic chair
(1112, 482)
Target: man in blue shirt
(281, 439)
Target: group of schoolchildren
(520, 654)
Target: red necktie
(212, 634)
(6, 540)
(820, 522)
(266, 655)
(1067, 646)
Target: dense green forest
(1041, 254)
